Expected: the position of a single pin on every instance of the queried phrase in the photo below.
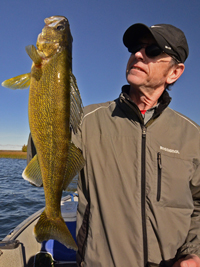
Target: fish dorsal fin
(33, 54)
(32, 172)
(76, 106)
(19, 82)
(75, 163)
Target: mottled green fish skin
(49, 115)
(55, 105)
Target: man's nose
(140, 53)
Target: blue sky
(99, 56)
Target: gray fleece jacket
(139, 192)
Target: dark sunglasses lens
(43, 260)
(134, 49)
(153, 50)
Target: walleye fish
(55, 108)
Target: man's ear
(175, 72)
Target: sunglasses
(151, 51)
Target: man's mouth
(137, 68)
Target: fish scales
(49, 99)
(55, 107)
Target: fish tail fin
(54, 228)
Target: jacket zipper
(143, 180)
(159, 176)
(143, 194)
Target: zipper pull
(144, 131)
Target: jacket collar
(124, 97)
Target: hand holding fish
(189, 261)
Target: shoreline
(13, 154)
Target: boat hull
(19, 247)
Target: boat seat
(11, 251)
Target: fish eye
(60, 27)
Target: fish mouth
(54, 20)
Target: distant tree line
(24, 148)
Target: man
(139, 192)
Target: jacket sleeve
(192, 243)
(82, 181)
(83, 209)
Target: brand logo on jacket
(169, 150)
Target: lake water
(18, 198)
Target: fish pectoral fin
(76, 106)
(75, 163)
(54, 228)
(19, 82)
(32, 172)
(33, 54)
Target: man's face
(144, 72)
